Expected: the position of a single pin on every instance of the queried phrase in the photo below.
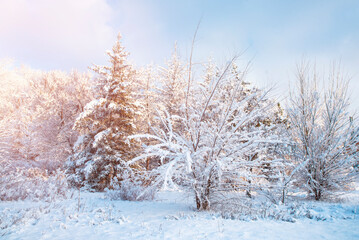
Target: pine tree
(173, 89)
(103, 148)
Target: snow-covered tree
(57, 99)
(148, 94)
(172, 92)
(36, 133)
(324, 133)
(102, 149)
(222, 127)
(41, 109)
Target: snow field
(170, 216)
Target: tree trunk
(202, 202)
(318, 194)
(283, 195)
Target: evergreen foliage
(103, 149)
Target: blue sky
(71, 34)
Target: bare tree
(324, 134)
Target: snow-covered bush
(32, 184)
(238, 206)
(131, 191)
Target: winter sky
(68, 34)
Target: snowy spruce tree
(173, 85)
(172, 90)
(169, 94)
(103, 149)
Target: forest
(132, 133)
(205, 129)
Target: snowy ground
(170, 216)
